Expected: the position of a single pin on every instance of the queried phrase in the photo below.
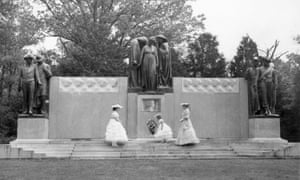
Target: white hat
(117, 106)
(184, 104)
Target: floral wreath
(152, 126)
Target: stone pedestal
(265, 129)
(32, 127)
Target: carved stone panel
(90, 85)
(210, 85)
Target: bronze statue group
(262, 86)
(150, 63)
(116, 135)
(34, 83)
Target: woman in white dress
(186, 132)
(115, 132)
(164, 132)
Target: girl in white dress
(115, 132)
(164, 132)
(186, 132)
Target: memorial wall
(80, 107)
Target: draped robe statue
(136, 46)
(165, 64)
(149, 66)
(138, 77)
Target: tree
(288, 101)
(95, 34)
(18, 28)
(179, 66)
(21, 28)
(204, 58)
(246, 52)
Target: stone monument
(30, 126)
(264, 124)
(80, 106)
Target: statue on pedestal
(28, 80)
(165, 64)
(267, 85)
(134, 76)
(251, 77)
(149, 66)
(42, 92)
(150, 63)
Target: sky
(263, 20)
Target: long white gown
(164, 132)
(186, 132)
(115, 132)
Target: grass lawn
(150, 169)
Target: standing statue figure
(251, 77)
(274, 89)
(147, 70)
(149, 66)
(267, 85)
(165, 64)
(29, 78)
(41, 93)
(134, 77)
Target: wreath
(152, 125)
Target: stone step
(137, 149)
(107, 149)
(96, 154)
(16, 153)
(254, 150)
(255, 153)
(258, 146)
(134, 153)
(162, 145)
(58, 154)
(39, 155)
(45, 145)
(155, 156)
(52, 152)
(187, 155)
(46, 149)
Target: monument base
(268, 140)
(265, 129)
(32, 127)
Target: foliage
(179, 66)
(288, 102)
(9, 108)
(18, 28)
(246, 52)
(204, 58)
(95, 34)
(289, 97)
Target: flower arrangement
(152, 126)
